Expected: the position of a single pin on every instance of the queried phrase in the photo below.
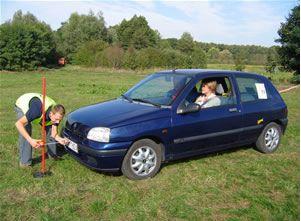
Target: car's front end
(104, 156)
(101, 134)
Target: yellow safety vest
(23, 103)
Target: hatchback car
(160, 120)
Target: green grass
(238, 185)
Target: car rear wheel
(143, 160)
(269, 139)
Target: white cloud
(205, 21)
(221, 22)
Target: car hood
(115, 113)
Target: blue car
(175, 114)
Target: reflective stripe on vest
(23, 103)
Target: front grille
(76, 129)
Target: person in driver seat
(208, 97)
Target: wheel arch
(280, 123)
(157, 140)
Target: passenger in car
(208, 97)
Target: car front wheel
(269, 139)
(143, 160)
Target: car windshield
(158, 89)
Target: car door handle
(234, 109)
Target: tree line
(27, 43)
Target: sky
(243, 22)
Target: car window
(223, 93)
(159, 88)
(251, 89)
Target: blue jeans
(25, 147)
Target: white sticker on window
(262, 93)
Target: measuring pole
(43, 171)
(43, 164)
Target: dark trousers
(25, 147)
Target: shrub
(198, 58)
(114, 56)
(129, 59)
(148, 58)
(89, 54)
(295, 79)
(172, 58)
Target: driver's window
(211, 92)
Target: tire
(269, 139)
(143, 160)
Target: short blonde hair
(211, 84)
(58, 108)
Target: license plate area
(73, 146)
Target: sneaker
(22, 165)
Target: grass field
(237, 185)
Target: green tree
(172, 58)
(136, 33)
(239, 57)
(25, 43)
(173, 42)
(213, 55)
(164, 44)
(289, 33)
(112, 35)
(225, 57)
(198, 58)
(80, 29)
(149, 58)
(130, 59)
(186, 43)
(239, 64)
(271, 61)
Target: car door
(256, 105)
(208, 129)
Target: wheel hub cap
(143, 161)
(271, 138)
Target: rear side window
(251, 89)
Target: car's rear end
(279, 111)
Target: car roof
(200, 72)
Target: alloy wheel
(271, 138)
(143, 161)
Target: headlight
(100, 134)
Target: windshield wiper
(127, 98)
(146, 101)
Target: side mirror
(190, 108)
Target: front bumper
(107, 158)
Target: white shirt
(212, 100)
